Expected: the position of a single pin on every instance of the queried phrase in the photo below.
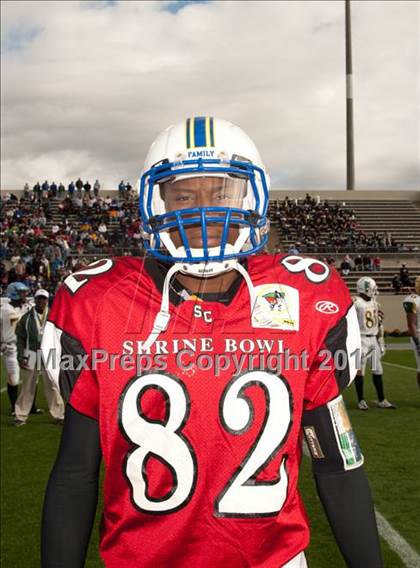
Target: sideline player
(202, 466)
(370, 319)
(11, 312)
(412, 309)
(29, 332)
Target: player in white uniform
(373, 347)
(11, 312)
(412, 309)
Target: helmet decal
(199, 132)
(367, 286)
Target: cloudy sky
(86, 86)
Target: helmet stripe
(208, 131)
(187, 130)
(192, 133)
(200, 131)
(211, 132)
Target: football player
(202, 448)
(412, 309)
(11, 312)
(370, 318)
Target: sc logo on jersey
(200, 313)
(326, 307)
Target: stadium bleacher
(398, 217)
(401, 218)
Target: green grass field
(402, 339)
(389, 441)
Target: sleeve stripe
(51, 352)
(56, 344)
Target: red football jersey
(201, 435)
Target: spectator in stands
(358, 262)
(376, 263)
(331, 261)
(346, 266)
(396, 283)
(79, 187)
(37, 190)
(77, 201)
(367, 262)
(87, 187)
(121, 188)
(293, 250)
(96, 188)
(53, 189)
(61, 189)
(71, 188)
(405, 277)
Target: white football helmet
(367, 286)
(204, 147)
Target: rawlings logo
(326, 307)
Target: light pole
(349, 102)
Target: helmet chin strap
(162, 318)
(198, 269)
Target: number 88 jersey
(201, 434)
(368, 315)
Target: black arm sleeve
(348, 505)
(345, 494)
(72, 494)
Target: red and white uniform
(201, 451)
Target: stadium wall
(392, 306)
